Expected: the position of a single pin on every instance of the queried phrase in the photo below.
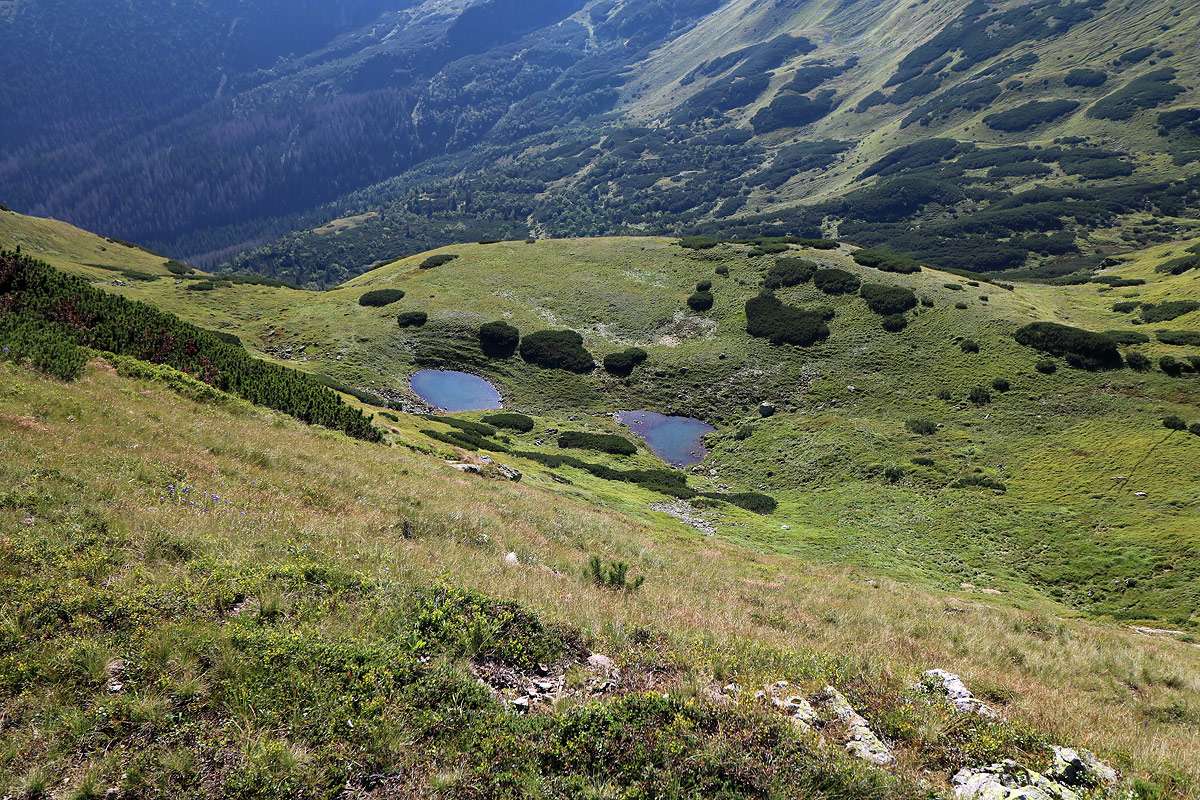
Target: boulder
(1007, 780)
(766, 409)
(861, 741)
(1080, 769)
(954, 690)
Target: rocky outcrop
(1073, 772)
(861, 741)
(948, 685)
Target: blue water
(455, 391)
(675, 440)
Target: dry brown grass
(728, 611)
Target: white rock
(511, 559)
(953, 688)
(602, 663)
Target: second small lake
(455, 391)
(676, 440)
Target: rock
(115, 670)
(953, 689)
(28, 521)
(601, 663)
(511, 559)
(861, 740)
(802, 714)
(766, 409)
(468, 469)
(1080, 769)
(509, 473)
(1007, 780)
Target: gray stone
(861, 741)
(953, 689)
(1007, 780)
(1080, 769)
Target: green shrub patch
(700, 301)
(378, 298)
(769, 318)
(888, 300)
(1085, 78)
(510, 421)
(836, 281)
(49, 317)
(699, 242)
(1148, 91)
(557, 350)
(1169, 310)
(886, 261)
(439, 260)
(789, 272)
(1083, 349)
(624, 362)
(1179, 338)
(412, 319)
(1030, 115)
(600, 442)
(499, 339)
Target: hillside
(1015, 540)
(1075, 456)
(411, 125)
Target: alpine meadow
(598, 399)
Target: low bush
(921, 427)
(1137, 362)
(1046, 366)
(768, 318)
(968, 346)
(927, 301)
(704, 286)
(509, 421)
(744, 432)
(723, 271)
(1174, 424)
(886, 261)
(440, 260)
(1194, 429)
(1147, 91)
(1030, 115)
(613, 575)
(557, 350)
(961, 306)
(1081, 348)
(1178, 266)
(698, 242)
(1126, 307)
(1087, 78)
(624, 362)
(412, 319)
(378, 298)
(1171, 309)
(465, 425)
(700, 301)
(1001, 385)
(894, 323)
(980, 396)
(499, 339)
(1179, 338)
(789, 272)
(1173, 366)
(599, 442)
(980, 482)
(747, 501)
(1127, 338)
(888, 300)
(836, 281)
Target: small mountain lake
(455, 391)
(676, 440)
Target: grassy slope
(67, 247)
(1066, 528)
(307, 526)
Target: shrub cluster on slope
(499, 339)
(557, 350)
(1084, 349)
(624, 362)
(378, 298)
(769, 318)
(600, 442)
(54, 315)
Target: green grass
(1057, 442)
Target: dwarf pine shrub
(499, 339)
